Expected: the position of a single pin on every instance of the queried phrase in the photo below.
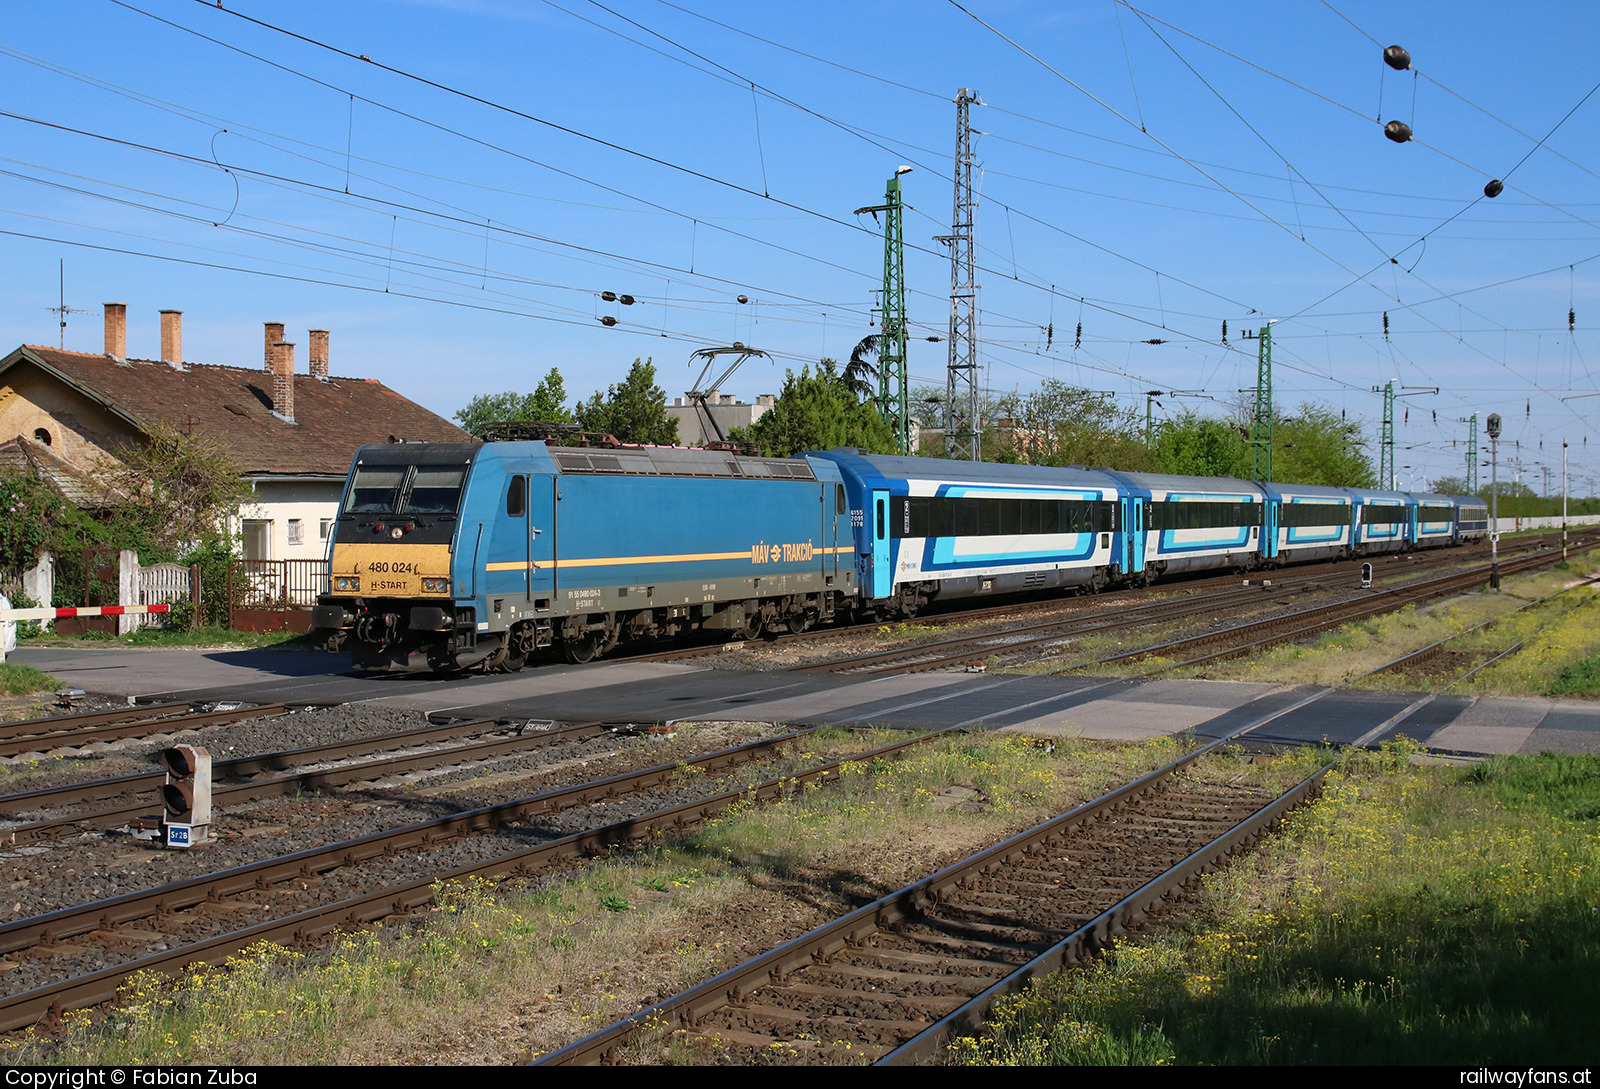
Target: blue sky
(1148, 171)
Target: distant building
(293, 436)
(725, 408)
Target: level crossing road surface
(1088, 707)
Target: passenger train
(479, 555)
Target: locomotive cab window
(406, 489)
(375, 489)
(435, 489)
(517, 497)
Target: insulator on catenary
(1494, 189)
(1077, 340)
(608, 320)
(1155, 340)
(1386, 325)
(1224, 330)
(1398, 131)
(625, 300)
(1572, 320)
(609, 296)
(1397, 58)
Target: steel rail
(29, 1007)
(1098, 621)
(272, 785)
(115, 911)
(1100, 930)
(50, 797)
(142, 728)
(855, 926)
(1331, 615)
(1114, 599)
(57, 723)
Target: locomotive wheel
(582, 649)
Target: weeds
(1411, 915)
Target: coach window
(840, 504)
(517, 497)
(882, 521)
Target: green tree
(1319, 446)
(1450, 485)
(1060, 424)
(181, 490)
(818, 411)
(546, 404)
(1195, 445)
(634, 410)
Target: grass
(1561, 634)
(161, 637)
(1411, 916)
(1579, 679)
(21, 680)
(498, 972)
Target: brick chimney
(283, 381)
(117, 331)
(273, 339)
(172, 338)
(319, 354)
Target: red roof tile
(234, 404)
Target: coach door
(1136, 534)
(882, 570)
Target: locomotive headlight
(352, 584)
(435, 586)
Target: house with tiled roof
(292, 435)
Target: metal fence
(273, 595)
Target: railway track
(226, 907)
(947, 614)
(1246, 638)
(52, 734)
(288, 772)
(897, 979)
(929, 958)
(959, 652)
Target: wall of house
(278, 502)
(81, 431)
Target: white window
(294, 531)
(257, 539)
(325, 530)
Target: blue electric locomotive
(478, 555)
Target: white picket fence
(162, 584)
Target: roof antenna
(63, 310)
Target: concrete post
(127, 589)
(39, 583)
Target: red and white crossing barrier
(10, 616)
(88, 610)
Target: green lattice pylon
(1386, 439)
(893, 388)
(1261, 431)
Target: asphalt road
(655, 692)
